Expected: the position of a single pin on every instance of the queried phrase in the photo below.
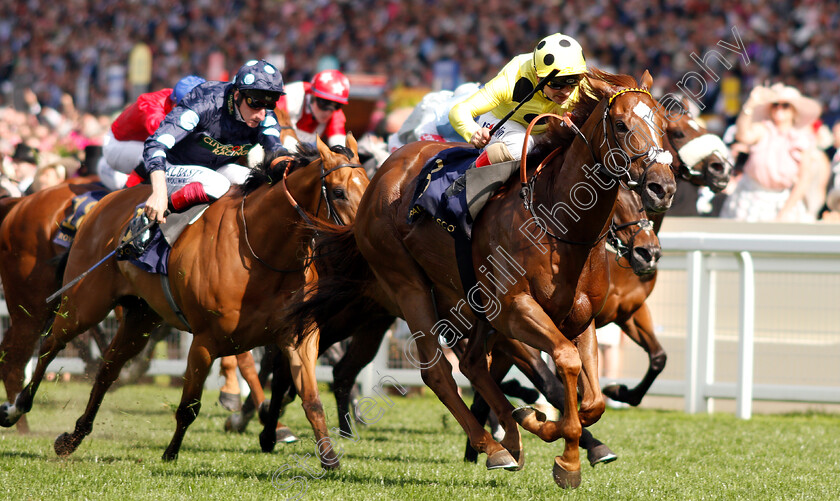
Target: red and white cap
(331, 85)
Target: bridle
(654, 155)
(323, 197)
(618, 246)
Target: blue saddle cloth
(155, 259)
(441, 191)
(82, 204)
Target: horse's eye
(621, 126)
(338, 193)
(678, 134)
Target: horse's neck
(272, 220)
(569, 192)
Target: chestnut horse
(417, 277)
(239, 262)
(30, 272)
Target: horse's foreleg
(302, 361)
(531, 325)
(248, 369)
(499, 366)
(475, 365)
(592, 405)
(132, 336)
(16, 349)
(70, 321)
(198, 366)
(639, 328)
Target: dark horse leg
(640, 329)
(362, 350)
(238, 421)
(132, 336)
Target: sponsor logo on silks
(225, 150)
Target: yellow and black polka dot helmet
(559, 52)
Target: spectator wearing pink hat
(774, 125)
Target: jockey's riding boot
(188, 196)
(133, 179)
(137, 236)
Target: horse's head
(344, 180)
(700, 158)
(316, 180)
(631, 147)
(631, 234)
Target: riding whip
(527, 98)
(73, 282)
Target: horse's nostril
(656, 190)
(717, 167)
(642, 254)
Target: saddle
(150, 251)
(453, 192)
(81, 205)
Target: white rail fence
(716, 279)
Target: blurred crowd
(56, 58)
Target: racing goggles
(327, 105)
(261, 100)
(563, 82)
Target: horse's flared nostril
(717, 168)
(656, 190)
(642, 254)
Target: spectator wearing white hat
(775, 124)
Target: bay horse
(417, 277)
(230, 273)
(30, 272)
(699, 159)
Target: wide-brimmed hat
(807, 109)
(25, 153)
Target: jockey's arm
(462, 115)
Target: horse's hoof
(330, 466)
(235, 422)
(519, 456)
(564, 478)
(524, 413)
(600, 454)
(64, 445)
(620, 393)
(230, 401)
(169, 456)
(285, 435)
(501, 459)
(8, 416)
(268, 439)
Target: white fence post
(746, 346)
(694, 269)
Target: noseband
(618, 246)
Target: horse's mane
(557, 134)
(265, 173)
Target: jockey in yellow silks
(510, 87)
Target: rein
(527, 185)
(331, 212)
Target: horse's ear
(647, 80)
(323, 149)
(600, 87)
(351, 143)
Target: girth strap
(167, 293)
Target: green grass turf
(414, 451)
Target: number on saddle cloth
(82, 204)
